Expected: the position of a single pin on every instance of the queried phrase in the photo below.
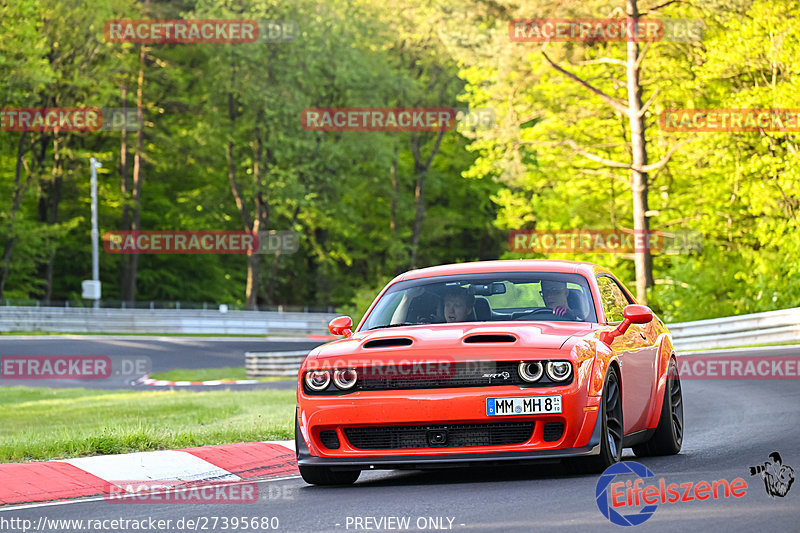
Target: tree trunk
(19, 193)
(252, 259)
(133, 259)
(49, 200)
(421, 171)
(638, 166)
(419, 217)
(250, 223)
(643, 259)
(395, 195)
(276, 262)
(125, 190)
(393, 223)
(260, 222)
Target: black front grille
(439, 435)
(438, 375)
(553, 431)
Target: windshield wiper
(399, 324)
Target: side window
(614, 300)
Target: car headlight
(559, 370)
(318, 380)
(530, 371)
(345, 379)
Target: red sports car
(490, 362)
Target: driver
(554, 294)
(459, 305)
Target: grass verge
(42, 423)
(210, 374)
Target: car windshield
(530, 296)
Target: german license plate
(527, 405)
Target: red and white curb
(146, 380)
(93, 476)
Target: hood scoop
(388, 343)
(496, 337)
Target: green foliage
(739, 190)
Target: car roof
(520, 265)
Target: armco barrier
(273, 364)
(757, 328)
(769, 327)
(91, 320)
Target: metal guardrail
(757, 328)
(273, 364)
(90, 320)
(163, 304)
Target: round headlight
(559, 370)
(345, 379)
(318, 380)
(530, 372)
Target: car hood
(541, 335)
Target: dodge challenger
(496, 362)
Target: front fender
(602, 360)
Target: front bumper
(453, 460)
(581, 434)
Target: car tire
(668, 438)
(612, 430)
(322, 475)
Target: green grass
(42, 423)
(209, 374)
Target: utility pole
(91, 288)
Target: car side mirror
(341, 325)
(638, 314)
(634, 314)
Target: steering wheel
(533, 313)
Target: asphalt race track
(162, 353)
(730, 426)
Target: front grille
(439, 375)
(439, 435)
(329, 439)
(553, 431)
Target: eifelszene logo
(607, 505)
(634, 494)
(778, 477)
